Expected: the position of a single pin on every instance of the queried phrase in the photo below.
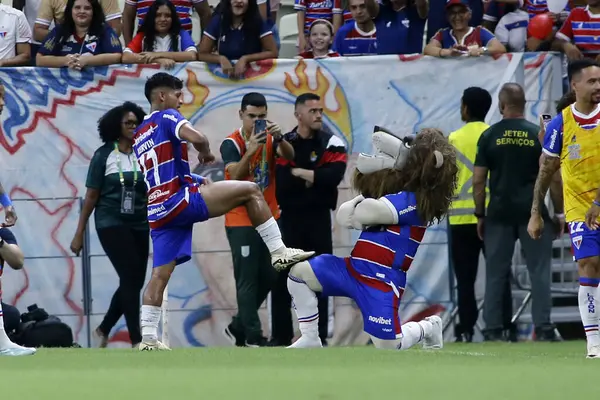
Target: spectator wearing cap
(400, 25)
(437, 20)
(462, 39)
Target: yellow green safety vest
(465, 142)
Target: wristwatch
(479, 215)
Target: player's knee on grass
(304, 271)
(589, 267)
(386, 344)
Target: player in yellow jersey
(572, 143)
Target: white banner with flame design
(48, 134)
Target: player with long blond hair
(404, 188)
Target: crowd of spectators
(80, 33)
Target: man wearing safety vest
(465, 244)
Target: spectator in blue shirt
(400, 25)
(161, 39)
(237, 32)
(462, 39)
(83, 39)
(359, 37)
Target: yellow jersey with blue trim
(575, 138)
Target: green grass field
(459, 371)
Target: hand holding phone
(546, 118)
(260, 130)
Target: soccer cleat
(436, 338)
(17, 351)
(306, 342)
(593, 351)
(288, 257)
(151, 346)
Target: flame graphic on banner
(340, 115)
(199, 95)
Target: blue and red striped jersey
(391, 247)
(582, 28)
(350, 40)
(317, 9)
(163, 159)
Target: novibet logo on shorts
(380, 320)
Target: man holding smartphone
(249, 154)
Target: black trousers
(254, 277)
(465, 247)
(311, 232)
(127, 249)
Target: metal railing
(564, 281)
(86, 256)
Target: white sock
(270, 234)
(415, 332)
(149, 323)
(588, 308)
(4, 340)
(305, 305)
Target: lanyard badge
(127, 194)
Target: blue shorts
(376, 299)
(584, 242)
(173, 241)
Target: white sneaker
(306, 342)
(17, 350)
(289, 257)
(593, 351)
(436, 339)
(151, 346)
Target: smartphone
(260, 128)
(546, 118)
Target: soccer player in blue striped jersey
(177, 200)
(406, 186)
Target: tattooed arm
(545, 177)
(556, 193)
